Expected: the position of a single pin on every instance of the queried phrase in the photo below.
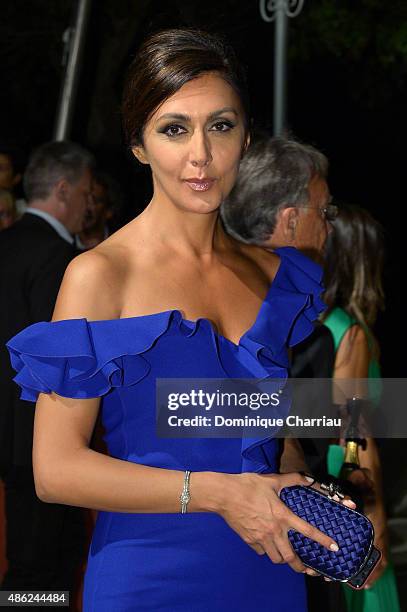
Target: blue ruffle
(73, 358)
(288, 312)
(285, 319)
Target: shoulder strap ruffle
(286, 318)
(289, 311)
(81, 359)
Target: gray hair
(52, 162)
(274, 174)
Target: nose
(200, 151)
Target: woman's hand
(254, 510)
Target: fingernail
(334, 547)
(349, 502)
(309, 478)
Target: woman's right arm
(67, 471)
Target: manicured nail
(334, 547)
(309, 478)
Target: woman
(170, 295)
(8, 211)
(354, 267)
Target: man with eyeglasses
(281, 198)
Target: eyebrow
(182, 117)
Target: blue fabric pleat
(81, 359)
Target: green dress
(382, 596)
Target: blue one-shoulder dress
(171, 562)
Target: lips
(202, 184)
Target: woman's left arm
(352, 361)
(374, 505)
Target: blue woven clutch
(352, 531)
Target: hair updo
(164, 63)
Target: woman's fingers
(273, 552)
(349, 503)
(294, 478)
(258, 548)
(345, 501)
(311, 572)
(287, 553)
(312, 532)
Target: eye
(223, 126)
(173, 130)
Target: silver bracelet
(185, 495)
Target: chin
(201, 207)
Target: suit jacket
(33, 259)
(315, 358)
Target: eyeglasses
(330, 212)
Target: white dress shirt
(57, 225)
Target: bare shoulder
(92, 285)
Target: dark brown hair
(164, 63)
(354, 257)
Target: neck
(46, 206)
(53, 208)
(189, 233)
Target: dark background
(347, 94)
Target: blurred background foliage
(368, 38)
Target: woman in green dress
(354, 264)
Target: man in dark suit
(44, 541)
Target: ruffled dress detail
(120, 360)
(73, 359)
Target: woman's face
(194, 142)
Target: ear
(140, 153)
(246, 145)
(61, 190)
(288, 220)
